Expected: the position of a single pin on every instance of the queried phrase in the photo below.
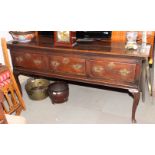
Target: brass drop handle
(55, 63)
(98, 69)
(66, 60)
(77, 66)
(124, 72)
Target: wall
(8, 37)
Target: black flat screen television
(93, 34)
(83, 34)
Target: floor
(88, 105)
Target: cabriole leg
(136, 97)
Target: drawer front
(111, 70)
(30, 61)
(67, 65)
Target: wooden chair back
(10, 90)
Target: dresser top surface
(97, 47)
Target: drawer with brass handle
(67, 65)
(111, 70)
(31, 60)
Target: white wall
(8, 37)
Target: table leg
(143, 80)
(136, 97)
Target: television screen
(93, 34)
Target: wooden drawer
(30, 61)
(111, 70)
(67, 65)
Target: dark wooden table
(99, 62)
